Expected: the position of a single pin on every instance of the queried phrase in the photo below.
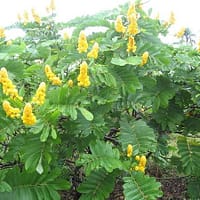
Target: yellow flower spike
(143, 161)
(11, 111)
(131, 47)
(70, 83)
(145, 57)
(51, 76)
(94, 52)
(28, 117)
(119, 27)
(9, 42)
(180, 33)
(131, 10)
(172, 19)
(137, 158)
(82, 43)
(52, 5)
(2, 32)
(129, 150)
(26, 17)
(39, 97)
(133, 26)
(83, 78)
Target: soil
(173, 187)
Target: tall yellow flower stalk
(52, 5)
(119, 27)
(51, 76)
(40, 94)
(145, 57)
(82, 43)
(180, 33)
(131, 10)
(26, 17)
(9, 89)
(2, 32)
(11, 111)
(142, 163)
(83, 78)
(131, 46)
(94, 52)
(172, 18)
(36, 17)
(133, 26)
(129, 150)
(28, 117)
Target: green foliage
(33, 186)
(140, 186)
(98, 185)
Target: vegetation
(111, 104)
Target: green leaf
(141, 187)
(39, 167)
(138, 134)
(53, 133)
(32, 186)
(5, 187)
(98, 185)
(103, 155)
(45, 134)
(134, 60)
(87, 114)
(118, 61)
(189, 150)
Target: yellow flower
(172, 19)
(131, 47)
(28, 117)
(2, 32)
(94, 52)
(133, 26)
(131, 10)
(52, 5)
(51, 76)
(65, 36)
(142, 163)
(39, 97)
(82, 43)
(9, 42)
(198, 46)
(137, 158)
(119, 27)
(11, 111)
(26, 17)
(70, 83)
(9, 88)
(145, 57)
(129, 150)
(83, 78)
(180, 33)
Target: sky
(186, 12)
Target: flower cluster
(26, 17)
(172, 19)
(180, 33)
(129, 150)
(82, 43)
(36, 17)
(131, 10)
(94, 52)
(70, 83)
(2, 32)
(119, 27)
(83, 78)
(142, 163)
(131, 46)
(39, 97)
(133, 26)
(28, 117)
(145, 57)
(11, 111)
(9, 88)
(51, 76)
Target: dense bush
(111, 104)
